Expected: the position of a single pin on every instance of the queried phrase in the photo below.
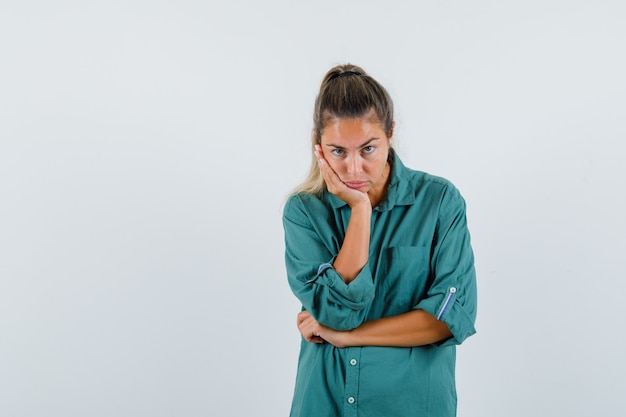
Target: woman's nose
(354, 165)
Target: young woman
(379, 256)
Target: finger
(318, 152)
(306, 326)
(312, 335)
(302, 316)
(309, 329)
(333, 182)
(323, 163)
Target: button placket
(352, 358)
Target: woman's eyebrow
(368, 142)
(360, 146)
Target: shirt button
(351, 400)
(352, 362)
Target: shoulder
(424, 181)
(441, 184)
(429, 189)
(300, 207)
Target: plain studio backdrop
(147, 148)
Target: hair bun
(343, 74)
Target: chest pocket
(403, 278)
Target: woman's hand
(336, 186)
(414, 328)
(314, 332)
(354, 251)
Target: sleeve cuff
(356, 295)
(447, 308)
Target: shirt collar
(398, 191)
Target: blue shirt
(420, 258)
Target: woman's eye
(337, 152)
(368, 149)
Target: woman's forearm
(415, 328)
(354, 251)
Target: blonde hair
(347, 91)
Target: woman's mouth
(356, 184)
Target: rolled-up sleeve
(312, 278)
(452, 296)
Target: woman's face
(357, 150)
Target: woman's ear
(390, 132)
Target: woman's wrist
(348, 338)
(363, 206)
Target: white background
(146, 149)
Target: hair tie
(343, 74)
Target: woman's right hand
(314, 332)
(336, 186)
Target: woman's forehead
(352, 132)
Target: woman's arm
(415, 328)
(354, 251)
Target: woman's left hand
(314, 332)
